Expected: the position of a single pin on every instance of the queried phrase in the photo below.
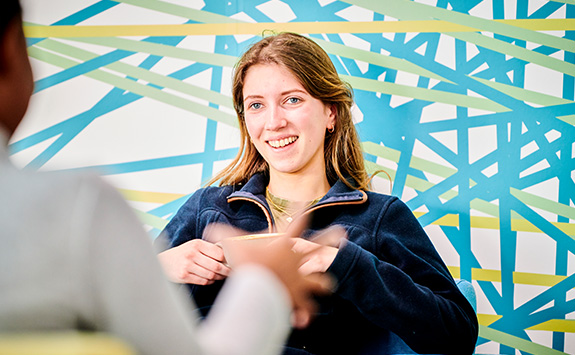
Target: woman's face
(285, 123)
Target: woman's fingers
(216, 232)
(197, 261)
(314, 257)
(209, 268)
(331, 236)
(304, 306)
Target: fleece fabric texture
(394, 293)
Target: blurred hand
(319, 251)
(195, 262)
(280, 257)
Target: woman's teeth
(282, 142)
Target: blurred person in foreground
(300, 154)
(74, 257)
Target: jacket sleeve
(404, 286)
(183, 226)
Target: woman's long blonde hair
(311, 65)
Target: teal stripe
(411, 10)
(424, 94)
(523, 94)
(385, 61)
(140, 89)
(161, 50)
(517, 52)
(144, 74)
(543, 203)
(180, 11)
(516, 342)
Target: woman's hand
(195, 262)
(320, 251)
(279, 257)
(316, 257)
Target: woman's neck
(298, 187)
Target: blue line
(157, 163)
(86, 13)
(80, 69)
(79, 16)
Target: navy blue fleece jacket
(394, 294)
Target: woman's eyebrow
(252, 97)
(283, 93)
(292, 91)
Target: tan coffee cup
(230, 245)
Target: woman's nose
(275, 119)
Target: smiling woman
(307, 68)
(287, 127)
(300, 155)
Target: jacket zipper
(358, 202)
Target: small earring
(331, 129)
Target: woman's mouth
(280, 143)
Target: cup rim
(252, 236)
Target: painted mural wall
(468, 105)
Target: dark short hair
(9, 9)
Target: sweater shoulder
(212, 194)
(382, 200)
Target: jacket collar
(339, 193)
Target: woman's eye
(255, 106)
(293, 100)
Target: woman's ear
(332, 117)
